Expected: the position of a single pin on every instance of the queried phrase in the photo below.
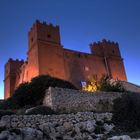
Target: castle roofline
(11, 60)
(43, 23)
(105, 41)
(15, 60)
(75, 51)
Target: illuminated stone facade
(46, 55)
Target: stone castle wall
(67, 100)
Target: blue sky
(81, 22)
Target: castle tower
(46, 55)
(45, 52)
(11, 68)
(113, 61)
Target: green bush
(41, 83)
(105, 85)
(126, 112)
(20, 98)
(43, 110)
(32, 94)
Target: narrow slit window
(49, 36)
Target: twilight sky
(81, 22)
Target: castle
(46, 55)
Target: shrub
(22, 95)
(32, 94)
(41, 83)
(104, 84)
(43, 110)
(126, 113)
(20, 98)
(8, 104)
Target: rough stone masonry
(79, 126)
(68, 100)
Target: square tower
(11, 69)
(111, 55)
(45, 52)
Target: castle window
(79, 55)
(49, 36)
(32, 39)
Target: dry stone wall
(67, 100)
(79, 126)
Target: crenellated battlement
(105, 42)
(15, 60)
(105, 48)
(44, 32)
(43, 23)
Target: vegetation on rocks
(103, 84)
